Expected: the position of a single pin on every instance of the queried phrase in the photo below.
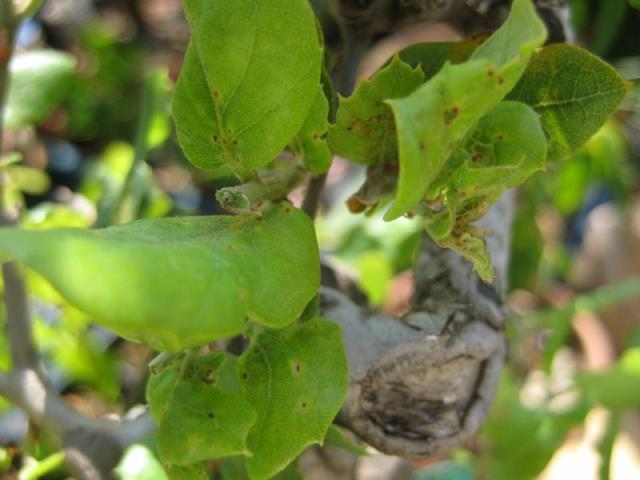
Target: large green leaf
(432, 120)
(364, 131)
(39, 80)
(573, 91)
(198, 418)
(249, 79)
(178, 282)
(297, 381)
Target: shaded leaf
(432, 56)
(178, 282)
(297, 381)
(365, 131)
(248, 81)
(573, 91)
(311, 141)
(198, 419)
(39, 81)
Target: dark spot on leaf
(215, 138)
(451, 114)
(490, 72)
(499, 137)
(256, 351)
(287, 209)
(500, 80)
(422, 147)
(229, 131)
(211, 415)
(258, 204)
(244, 375)
(304, 405)
(216, 94)
(235, 142)
(477, 156)
(316, 136)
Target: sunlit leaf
(178, 282)
(39, 80)
(432, 120)
(249, 79)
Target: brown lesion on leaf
(451, 114)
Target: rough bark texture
(423, 383)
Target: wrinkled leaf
(432, 120)
(311, 141)
(249, 79)
(505, 148)
(39, 81)
(297, 381)
(198, 419)
(573, 91)
(178, 282)
(364, 131)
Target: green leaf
(297, 381)
(617, 388)
(139, 463)
(364, 131)
(198, 419)
(432, 120)
(189, 472)
(505, 148)
(311, 141)
(39, 81)
(432, 56)
(178, 282)
(249, 79)
(573, 91)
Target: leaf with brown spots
(249, 79)
(296, 379)
(199, 416)
(364, 131)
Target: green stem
(271, 185)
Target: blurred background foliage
(90, 143)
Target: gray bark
(424, 383)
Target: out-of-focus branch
(92, 447)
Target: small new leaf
(198, 419)
(296, 379)
(180, 282)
